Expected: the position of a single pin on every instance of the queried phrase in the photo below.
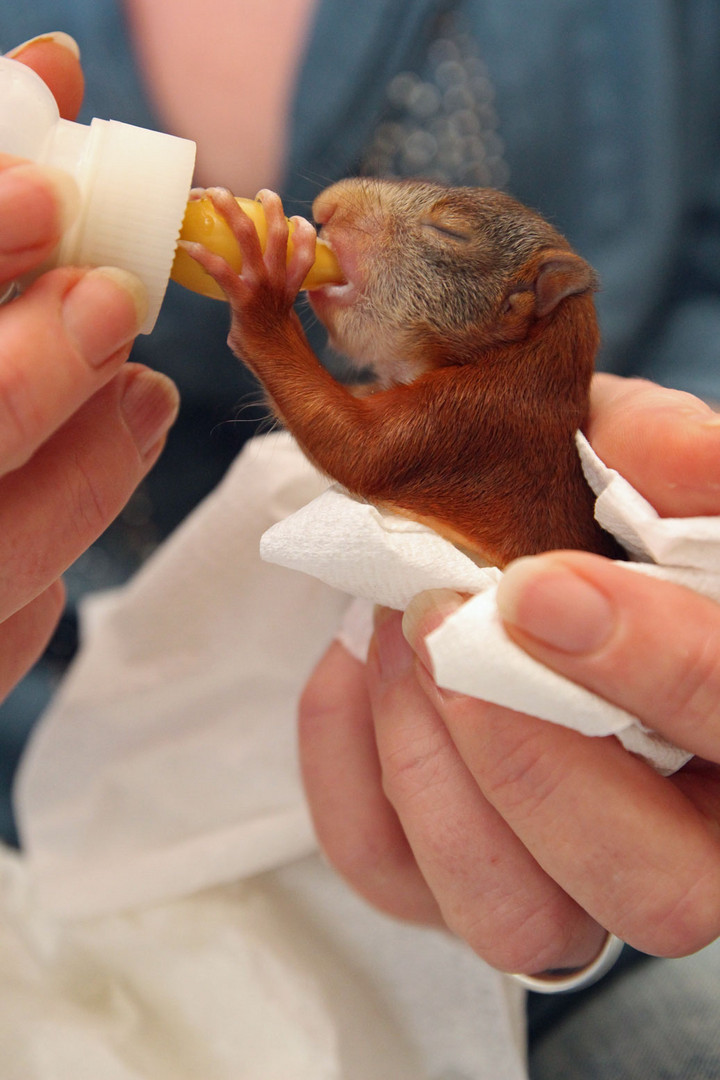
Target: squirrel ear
(560, 274)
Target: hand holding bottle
(79, 428)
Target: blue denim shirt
(609, 112)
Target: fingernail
(425, 613)
(394, 656)
(553, 603)
(96, 317)
(29, 217)
(58, 37)
(150, 405)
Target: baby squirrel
(478, 321)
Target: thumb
(56, 59)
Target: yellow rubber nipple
(203, 224)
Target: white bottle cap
(134, 183)
(134, 187)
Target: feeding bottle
(134, 188)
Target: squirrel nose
(325, 206)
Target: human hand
(525, 838)
(79, 428)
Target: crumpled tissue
(387, 559)
(169, 917)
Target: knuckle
(413, 768)
(313, 709)
(380, 867)
(526, 777)
(91, 511)
(694, 692)
(686, 920)
(21, 420)
(359, 854)
(528, 933)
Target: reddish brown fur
(472, 427)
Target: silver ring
(9, 293)
(565, 983)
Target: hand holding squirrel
(478, 323)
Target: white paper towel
(386, 559)
(377, 556)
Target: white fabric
(167, 760)
(285, 975)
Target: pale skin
(524, 838)
(241, 147)
(79, 428)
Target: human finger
(666, 443)
(56, 59)
(57, 504)
(490, 888)
(24, 636)
(62, 340)
(356, 826)
(37, 204)
(631, 847)
(647, 645)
